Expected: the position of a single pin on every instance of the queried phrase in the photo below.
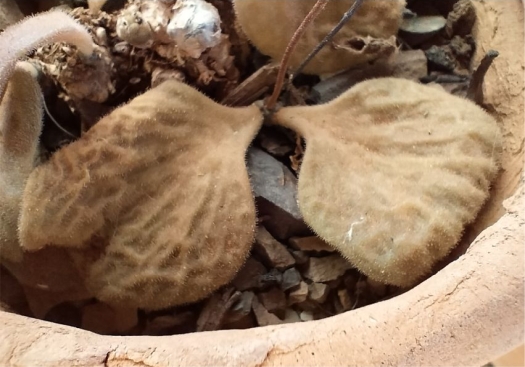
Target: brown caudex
(393, 171)
(370, 34)
(160, 186)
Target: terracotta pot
(468, 313)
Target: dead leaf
(270, 25)
(163, 181)
(392, 173)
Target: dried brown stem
(346, 17)
(314, 12)
(475, 89)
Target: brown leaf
(392, 173)
(163, 181)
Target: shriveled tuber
(392, 173)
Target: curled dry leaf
(20, 126)
(392, 173)
(160, 186)
(21, 111)
(270, 24)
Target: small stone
(101, 318)
(344, 299)
(308, 305)
(271, 251)
(291, 316)
(310, 244)
(300, 257)
(325, 269)
(275, 142)
(270, 279)
(440, 58)
(410, 64)
(416, 30)
(246, 322)
(291, 279)
(275, 188)
(264, 318)
(274, 301)
(215, 309)
(462, 48)
(461, 19)
(318, 292)
(273, 181)
(299, 295)
(168, 324)
(241, 308)
(248, 277)
(306, 316)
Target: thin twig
(314, 12)
(64, 130)
(475, 88)
(346, 17)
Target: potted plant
(468, 313)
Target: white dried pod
(194, 26)
(157, 14)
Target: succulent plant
(392, 173)
(370, 34)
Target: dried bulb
(195, 26)
(132, 28)
(189, 26)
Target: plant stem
(314, 12)
(346, 17)
(475, 88)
